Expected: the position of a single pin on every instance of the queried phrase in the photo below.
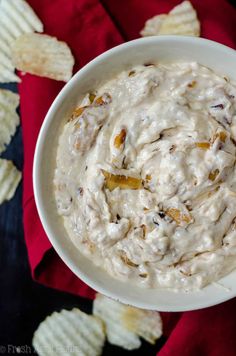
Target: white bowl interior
(148, 50)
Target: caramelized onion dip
(145, 176)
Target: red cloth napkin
(90, 27)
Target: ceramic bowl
(147, 50)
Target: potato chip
(9, 119)
(9, 179)
(7, 76)
(7, 69)
(181, 20)
(43, 55)
(70, 333)
(153, 25)
(145, 323)
(11, 99)
(5, 35)
(124, 324)
(16, 18)
(5, 48)
(110, 312)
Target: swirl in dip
(145, 177)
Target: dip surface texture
(145, 177)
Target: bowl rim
(39, 151)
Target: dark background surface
(24, 303)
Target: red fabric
(90, 27)
(89, 31)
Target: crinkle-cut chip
(17, 18)
(11, 99)
(9, 179)
(153, 25)
(70, 333)
(6, 62)
(7, 70)
(44, 56)
(120, 318)
(181, 20)
(145, 323)
(9, 119)
(5, 48)
(110, 312)
(113, 181)
(5, 34)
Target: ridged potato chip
(5, 49)
(70, 333)
(9, 118)
(110, 312)
(16, 18)
(181, 20)
(153, 25)
(43, 55)
(145, 323)
(5, 35)
(7, 70)
(9, 179)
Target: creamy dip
(145, 177)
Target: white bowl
(153, 49)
